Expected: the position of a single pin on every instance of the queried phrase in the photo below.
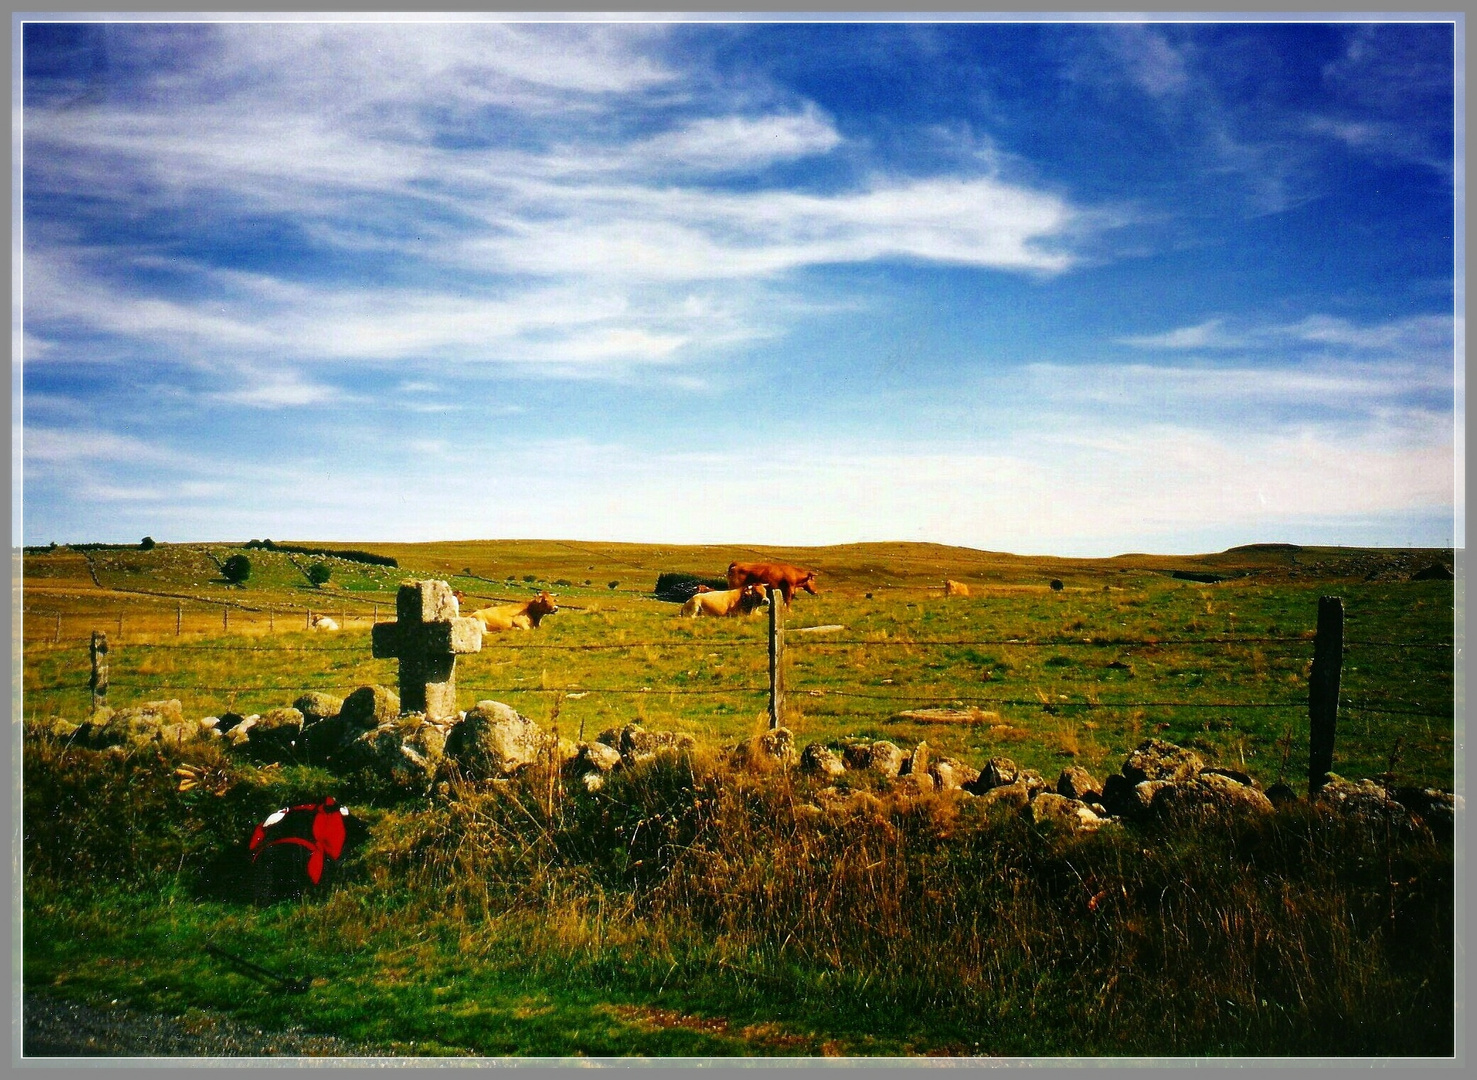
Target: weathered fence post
(776, 658)
(58, 627)
(225, 617)
(308, 620)
(271, 622)
(1323, 690)
(99, 681)
(179, 619)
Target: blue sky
(1064, 288)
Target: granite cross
(426, 637)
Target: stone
(1014, 794)
(1365, 800)
(1438, 809)
(913, 785)
(368, 707)
(406, 751)
(637, 745)
(1075, 782)
(951, 774)
(1282, 794)
(1231, 774)
(495, 740)
(998, 772)
(886, 758)
(239, 733)
(1157, 759)
(136, 725)
(316, 706)
(593, 781)
(1034, 781)
(917, 763)
(820, 760)
(1071, 813)
(1210, 793)
(426, 637)
(227, 721)
(596, 757)
(778, 744)
(856, 754)
(1144, 793)
(275, 735)
(1117, 795)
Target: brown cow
(523, 616)
(725, 602)
(783, 577)
(955, 588)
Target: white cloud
(1420, 333)
(1205, 335)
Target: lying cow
(725, 602)
(783, 577)
(523, 616)
(955, 588)
(322, 622)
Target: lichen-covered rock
(911, 785)
(1034, 781)
(138, 725)
(596, 757)
(778, 744)
(1075, 782)
(316, 706)
(1144, 793)
(857, 754)
(275, 735)
(1282, 794)
(637, 745)
(1071, 813)
(1231, 774)
(406, 752)
(227, 721)
(369, 707)
(820, 760)
(1157, 759)
(1362, 799)
(917, 763)
(951, 774)
(886, 759)
(998, 772)
(1209, 793)
(241, 730)
(495, 740)
(1014, 794)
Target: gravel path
(57, 1028)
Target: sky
(1069, 288)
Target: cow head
(753, 596)
(542, 604)
(808, 582)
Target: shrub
(236, 569)
(529, 577)
(146, 544)
(319, 573)
(611, 584)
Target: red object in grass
(319, 827)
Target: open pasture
(1121, 651)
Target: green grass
(692, 910)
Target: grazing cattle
(724, 602)
(955, 588)
(322, 622)
(784, 578)
(523, 616)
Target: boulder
(1209, 793)
(951, 774)
(596, 757)
(227, 721)
(1117, 795)
(1156, 759)
(1231, 774)
(913, 785)
(1436, 808)
(240, 732)
(1364, 800)
(494, 740)
(1144, 793)
(1015, 794)
(886, 759)
(917, 763)
(1282, 794)
(369, 707)
(637, 745)
(856, 754)
(1071, 813)
(820, 760)
(1034, 781)
(1075, 782)
(998, 772)
(778, 744)
(275, 735)
(406, 751)
(316, 706)
(154, 721)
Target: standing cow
(783, 577)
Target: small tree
(611, 584)
(319, 573)
(146, 544)
(236, 569)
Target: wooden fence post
(179, 619)
(308, 620)
(99, 681)
(1323, 690)
(58, 627)
(225, 617)
(271, 622)
(776, 658)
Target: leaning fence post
(99, 681)
(1323, 690)
(776, 659)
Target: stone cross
(426, 637)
